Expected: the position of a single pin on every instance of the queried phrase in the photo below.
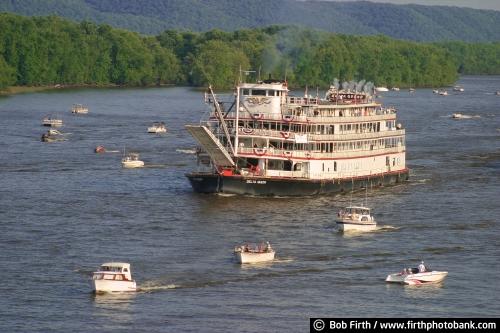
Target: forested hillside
(50, 50)
(412, 22)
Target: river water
(64, 210)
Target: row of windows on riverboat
(262, 92)
(317, 129)
(326, 147)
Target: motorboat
(435, 91)
(54, 132)
(355, 218)
(395, 89)
(411, 90)
(457, 116)
(443, 93)
(52, 136)
(458, 88)
(157, 127)
(100, 149)
(113, 277)
(132, 161)
(79, 109)
(416, 276)
(497, 93)
(52, 121)
(381, 89)
(250, 254)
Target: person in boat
(422, 268)
(268, 247)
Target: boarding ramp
(211, 144)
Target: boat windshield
(111, 269)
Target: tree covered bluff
(36, 51)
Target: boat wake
(152, 287)
(462, 116)
(226, 195)
(419, 181)
(387, 228)
(155, 166)
(282, 260)
(186, 151)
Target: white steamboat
(267, 142)
(113, 277)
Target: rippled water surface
(64, 210)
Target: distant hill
(412, 22)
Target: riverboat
(264, 141)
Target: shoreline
(15, 90)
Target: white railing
(289, 154)
(310, 118)
(319, 137)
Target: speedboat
(412, 90)
(158, 127)
(79, 109)
(113, 277)
(100, 149)
(52, 136)
(355, 218)
(248, 254)
(457, 116)
(416, 276)
(497, 93)
(443, 93)
(458, 88)
(395, 89)
(435, 91)
(381, 89)
(51, 121)
(132, 161)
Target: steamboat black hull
(267, 186)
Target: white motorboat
(381, 89)
(417, 276)
(132, 161)
(158, 127)
(52, 121)
(497, 93)
(443, 93)
(53, 136)
(113, 277)
(458, 88)
(411, 90)
(79, 109)
(247, 254)
(457, 116)
(395, 89)
(355, 218)
(435, 91)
